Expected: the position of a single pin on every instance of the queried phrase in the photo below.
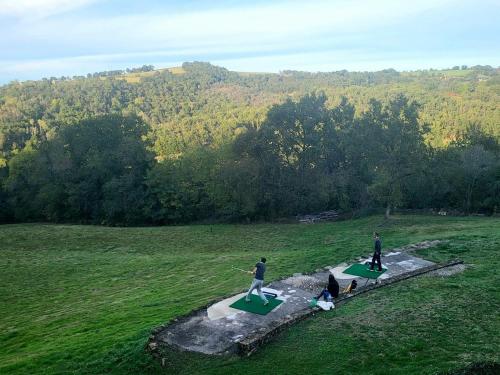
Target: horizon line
(280, 72)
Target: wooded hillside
(201, 142)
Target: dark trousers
(376, 257)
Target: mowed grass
(82, 299)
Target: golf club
(239, 269)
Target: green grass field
(82, 299)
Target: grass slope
(82, 299)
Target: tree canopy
(202, 143)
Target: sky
(44, 38)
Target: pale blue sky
(43, 38)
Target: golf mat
(256, 305)
(363, 270)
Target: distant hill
(207, 103)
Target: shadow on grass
(477, 368)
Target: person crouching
(331, 290)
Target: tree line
(301, 155)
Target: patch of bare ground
(448, 271)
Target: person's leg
(321, 294)
(379, 263)
(252, 287)
(259, 291)
(372, 264)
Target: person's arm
(253, 272)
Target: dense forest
(199, 142)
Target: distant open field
(82, 299)
(137, 77)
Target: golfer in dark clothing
(377, 253)
(258, 281)
(330, 290)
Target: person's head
(376, 235)
(331, 278)
(263, 260)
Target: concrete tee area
(220, 329)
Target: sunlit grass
(82, 299)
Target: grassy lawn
(82, 299)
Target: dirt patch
(419, 245)
(444, 272)
(304, 282)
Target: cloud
(296, 34)
(39, 8)
(265, 24)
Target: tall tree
(92, 171)
(398, 148)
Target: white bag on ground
(325, 305)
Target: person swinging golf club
(258, 281)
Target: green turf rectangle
(256, 305)
(363, 270)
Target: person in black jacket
(330, 290)
(377, 253)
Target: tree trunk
(468, 196)
(388, 211)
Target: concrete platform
(219, 328)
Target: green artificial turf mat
(363, 270)
(256, 305)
